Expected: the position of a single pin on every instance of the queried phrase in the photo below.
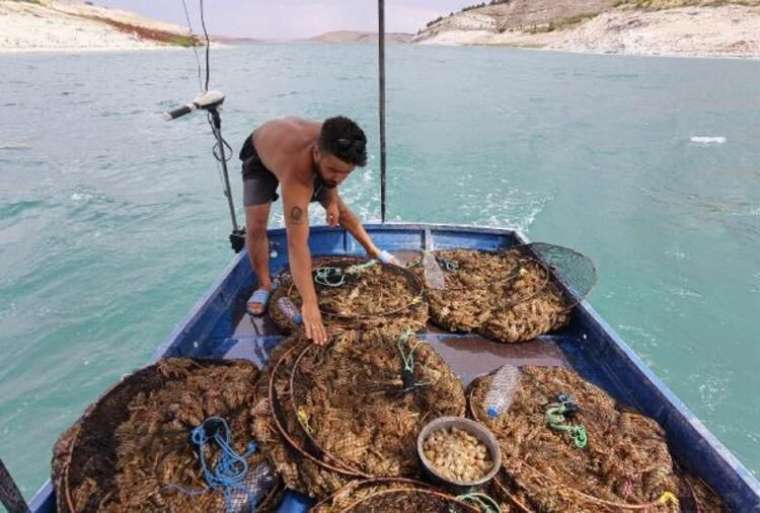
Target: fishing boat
(218, 327)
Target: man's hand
(312, 323)
(332, 214)
(387, 258)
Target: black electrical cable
(216, 150)
(195, 49)
(221, 149)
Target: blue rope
(230, 471)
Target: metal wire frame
(273, 405)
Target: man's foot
(257, 303)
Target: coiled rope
(407, 356)
(231, 469)
(555, 418)
(408, 379)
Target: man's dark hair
(343, 138)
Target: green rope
(407, 357)
(357, 268)
(555, 418)
(329, 276)
(335, 277)
(448, 264)
(406, 351)
(485, 502)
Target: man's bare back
(285, 147)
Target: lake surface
(113, 223)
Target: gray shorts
(260, 184)
(260, 189)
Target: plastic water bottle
(289, 310)
(502, 390)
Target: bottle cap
(492, 412)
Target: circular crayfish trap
(623, 464)
(397, 497)
(131, 450)
(362, 399)
(697, 496)
(278, 431)
(358, 490)
(483, 499)
(509, 296)
(369, 295)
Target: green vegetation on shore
(560, 24)
(125, 25)
(161, 36)
(672, 4)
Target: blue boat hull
(216, 327)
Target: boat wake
(513, 208)
(708, 140)
(15, 147)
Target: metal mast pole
(381, 63)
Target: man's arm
(295, 198)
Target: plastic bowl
(474, 428)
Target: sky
(289, 19)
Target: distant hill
(234, 40)
(648, 27)
(350, 36)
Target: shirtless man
(310, 159)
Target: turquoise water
(112, 221)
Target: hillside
(39, 25)
(645, 27)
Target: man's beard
(329, 184)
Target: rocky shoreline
(684, 28)
(726, 30)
